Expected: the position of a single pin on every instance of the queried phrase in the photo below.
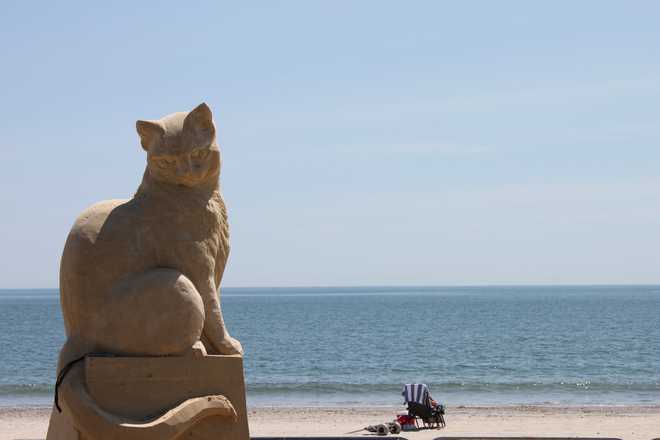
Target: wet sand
(626, 422)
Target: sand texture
(626, 422)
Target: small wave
(26, 389)
(454, 387)
(369, 388)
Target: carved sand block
(147, 354)
(140, 391)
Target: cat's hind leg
(154, 313)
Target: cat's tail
(94, 422)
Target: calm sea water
(472, 345)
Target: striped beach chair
(417, 398)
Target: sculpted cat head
(181, 147)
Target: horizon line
(395, 286)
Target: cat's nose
(183, 167)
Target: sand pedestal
(145, 388)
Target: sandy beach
(626, 422)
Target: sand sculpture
(147, 354)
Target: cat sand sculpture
(140, 278)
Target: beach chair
(417, 398)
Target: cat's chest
(175, 227)
(184, 229)
(175, 235)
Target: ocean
(565, 345)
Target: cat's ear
(200, 121)
(150, 132)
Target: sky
(363, 143)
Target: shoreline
(553, 407)
(380, 406)
(629, 422)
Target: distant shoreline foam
(390, 399)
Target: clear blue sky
(364, 142)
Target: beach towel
(416, 392)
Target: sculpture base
(142, 388)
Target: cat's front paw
(229, 345)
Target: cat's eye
(164, 163)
